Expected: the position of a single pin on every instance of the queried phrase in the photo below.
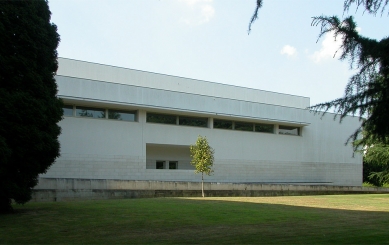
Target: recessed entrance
(169, 157)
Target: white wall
(98, 72)
(167, 153)
(157, 99)
(107, 149)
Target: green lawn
(348, 219)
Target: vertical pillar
(74, 111)
(210, 122)
(141, 116)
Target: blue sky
(208, 40)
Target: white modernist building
(124, 124)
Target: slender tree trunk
(202, 184)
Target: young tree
(202, 158)
(367, 92)
(30, 109)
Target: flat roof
(107, 73)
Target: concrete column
(141, 116)
(210, 122)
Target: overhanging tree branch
(255, 15)
(367, 92)
(371, 6)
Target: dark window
(288, 130)
(194, 121)
(122, 115)
(160, 165)
(224, 124)
(161, 118)
(90, 112)
(244, 126)
(264, 128)
(67, 110)
(173, 165)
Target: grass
(368, 184)
(348, 219)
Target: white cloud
(207, 11)
(201, 11)
(288, 50)
(329, 48)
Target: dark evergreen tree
(30, 109)
(375, 161)
(367, 92)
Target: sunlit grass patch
(361, 219)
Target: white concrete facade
(102, 148)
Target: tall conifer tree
(367, 92)
(30, 108)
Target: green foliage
(368, 184)
(379, 153)
(375, 160)
(222, 124)
(30, 109)
(111, 115)
(202, 156)
(114, 115)
(367, 92)
(85, 113)
(367, 170)
(377, 157)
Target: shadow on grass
(194, 221)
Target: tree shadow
(200, 221)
